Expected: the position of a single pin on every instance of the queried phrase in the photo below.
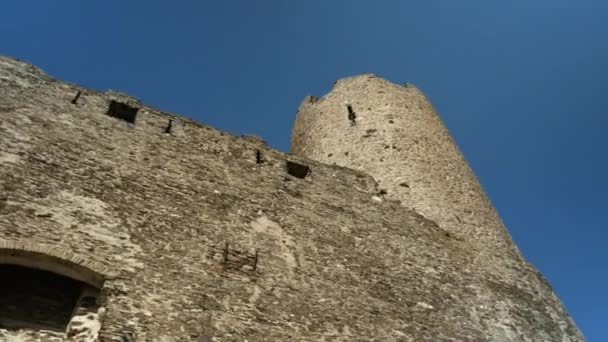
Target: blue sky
(522, 85)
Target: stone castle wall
(197, 233)
(393, 133)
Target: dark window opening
(352, 116)
(259, 157)
(297, 170)
(169, 126)
(122, 111)
(34, 299)
(75, 99)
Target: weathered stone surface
(172, 221)
(393, 133)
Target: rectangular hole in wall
(352, 116)
(259, 157)
(34, 299)
(297, 170)
(122, 111)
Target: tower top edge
(357, 80)
(367, 77)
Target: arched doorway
(46, 292)
(35, 299)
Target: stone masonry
(175, 231)
(392, 133)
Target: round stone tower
(393, 133)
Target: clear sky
(522, 85)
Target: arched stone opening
(35, 299)
(45, 293)
(45, 258)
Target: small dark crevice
(404, 184)
(255, 261)
(128, 337)
(122, 111)
(297, 170)
(369, 132)
(383, 192)
(75, 99)
(391, 121)
(226, 252)
(352, 116)
(3, 201)
(345, 153)
(329, 155)
(259, 157)
(169, 126)
(453, 236)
